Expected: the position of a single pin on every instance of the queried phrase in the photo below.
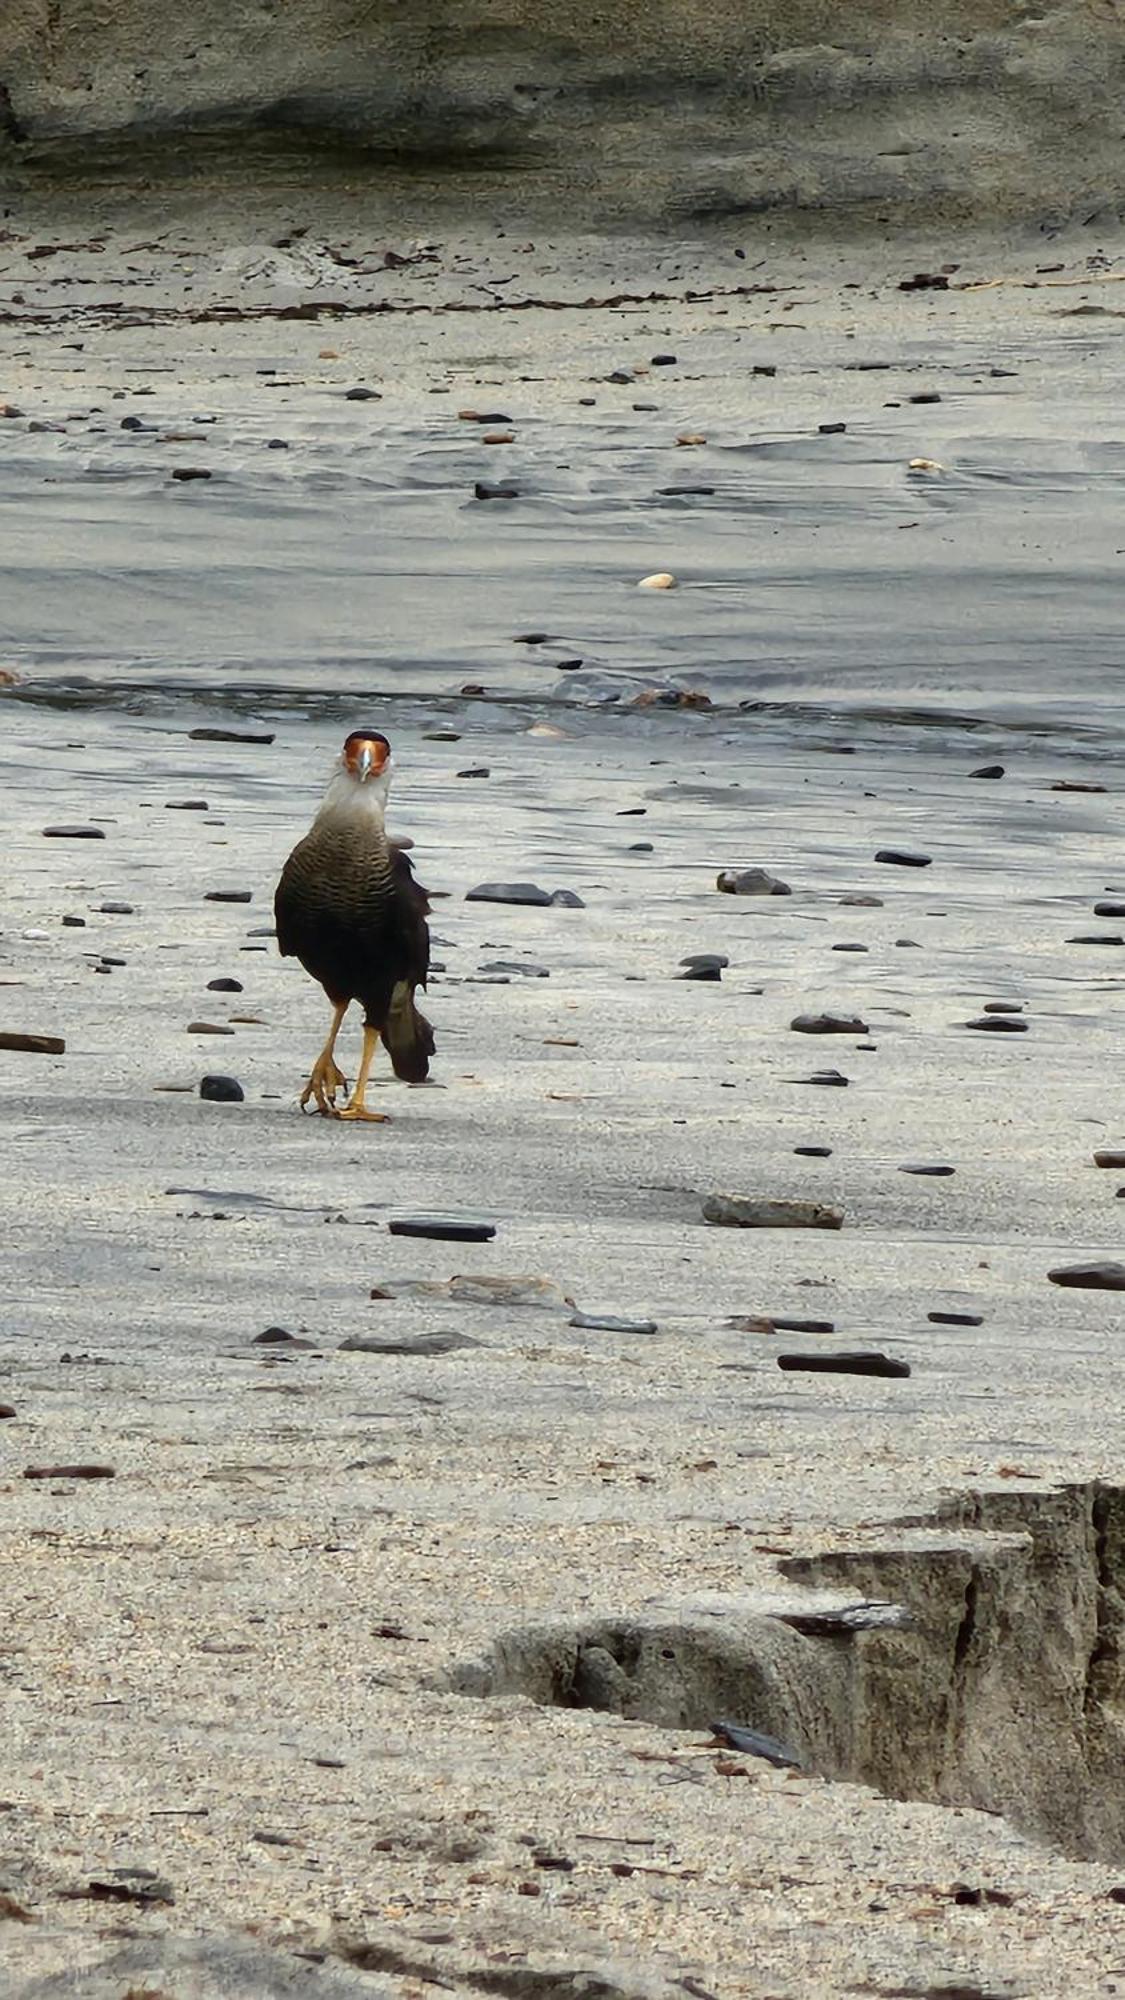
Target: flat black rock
(509, 892)
(988, 771)
(361, 395)
(903, 857)
(221, 1090)
(1097, 1277)
(73, 833)
(814, 1152)
(224, 986)
(755, 1743)
(998, 1024)
(228, 896)
(229, 736)
(867, 1363)
(932, 1173)
(955, 1319)
(446, 1228)
(609, 1323)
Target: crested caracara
(348, 907)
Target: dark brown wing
(414, 907)
(349, 908)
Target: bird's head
(361, 779)
(366, 755)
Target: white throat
(363, 801)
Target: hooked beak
(364, 761)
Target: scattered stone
(362, 395)
(707, 965)
(75, 923)
(126, 1885)
(828, 1024)
(772, 1323)
(482, 490)
(903, 857)
(224, 986)
(686, 492)
(755, 1743)
(186, 806)
(479, 1290)
(7, 1410)
(814, 1152)
(1106, 1158)
(208, 1028)
(407, 1343)
(924, 464)
(446, 1228)
(988, 771)
(274, 1336)
(1003, 1007)
(861, 902)
(865, 1362)
(475, 771)
(691, 437)
(851, 947)
(833, 1078)
(565, 899)
(955, 1319)
(663, 361)
(228, 896)
(490, 416)
(607, 1323)
(1109, 909)
(221, 1090)
(116, 909)
(1096, 937)
(228, 736)
(830, 430)
(516, 966)
(1096, 1277)
(32, 1045)
(69, 1472)
(931, 1173)
(1074, 785)
(509, 892)
(737, 1211)
(751, 882)
(74, 833)
(660, 579)
(997, 1024)
(186, 472)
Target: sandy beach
(395, 1665)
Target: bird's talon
(355, 1113)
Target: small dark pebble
(850, 947)
(763, 368)
(1109, 909)
(228, 896)
(483, 491)
(831, 430)
(274, 1336)
(641, 847)
(814, 1152)
(869, 1363)
(115, 909)
(135, 424)
(361, 395)
(902, 857)
(1106, 1158)
(186, 806)
(1096, 937)
(565, 899)
(228, 736)
(623, 376)
(1002, 1007)
(520, 966)
(224, 986)
(998, 1024)
(1074, 785)
(475, 771)
(33, 1045)
(73, 833)
(186, 472)
(988, 771)
(7, 1410)
(955, 1319)
(708, 970)
(663, 361)
(685, 492)
(718, 958)
(833, 1078)
(932, 1173)
(447, 1228)
(277, 444)
(221, 1090)
(755, 1743)
(924, 396)
(75, 923)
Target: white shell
(661, 579)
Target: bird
(349, 908)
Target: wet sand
(303, 1549)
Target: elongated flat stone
(446, 1228)
(35, 1045)
(739, 1211)
(407, 1343)
(860, 1363)
(1097, 1277)
(74, 833)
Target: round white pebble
(661, 579)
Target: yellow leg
(327, 1078)
(356, 1106)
